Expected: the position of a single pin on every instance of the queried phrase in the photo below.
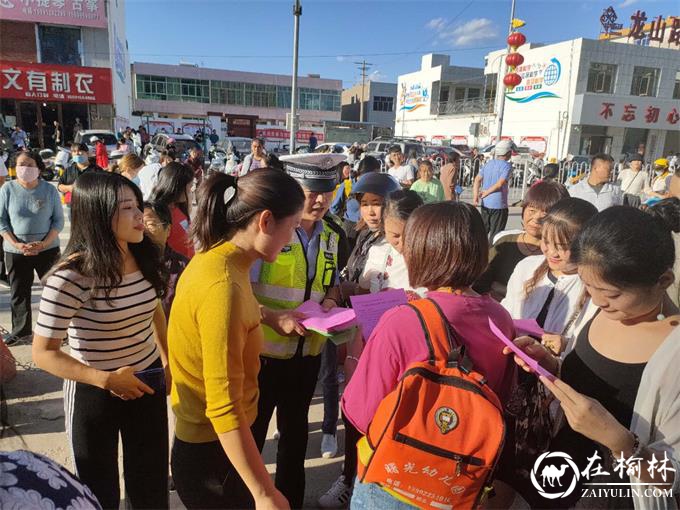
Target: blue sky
(392, 35)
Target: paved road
(35, 409)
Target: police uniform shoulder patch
(446, 419)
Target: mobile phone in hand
(154, 378)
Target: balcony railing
(477, 105)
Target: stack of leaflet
(337, 324)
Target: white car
(108, 137)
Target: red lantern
(514, 59)
(516, 39)
(512, 80)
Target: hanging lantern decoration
(511, 80)
(516, 39)
(513, 58)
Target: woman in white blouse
(547, 287)
(385, 267)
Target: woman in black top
(600, 377)
(511, 248)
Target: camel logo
(446, 419)
(552, 485)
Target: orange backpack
(435, 440)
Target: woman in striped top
(104, 297)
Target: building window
(151, 87)
(329, 100)
(172, 89)
(227, 92)
(473, 93)
(459, 94)
(645, 80)
(309, 99)
(676, 88)
(601, 78)
(490, 81)
(383, 104)
(263, 96)
(283, 97)
(59, 45)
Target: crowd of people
(183, 284)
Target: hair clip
(229, 194)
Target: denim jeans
(329, 382)
(369, 496)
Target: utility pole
(364, 67)
(501, 85)
(297, 12)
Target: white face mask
(27, 173)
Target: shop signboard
(55, 83)
(627, 112)
(535, 143)
(83, 13)
(413, 96)
(539, 81)
(274, 133)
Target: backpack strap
(440, 337)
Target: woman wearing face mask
(256, 159)
(658, 188)
(510, 248)
(103, 297)
(618, 386)
(129, 167)
(31, 218)
(174, 190)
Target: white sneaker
(277, 435)
(338, 495)
(329, 446)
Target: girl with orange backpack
(451, 233)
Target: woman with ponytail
(215, 339)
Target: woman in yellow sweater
(215, 339)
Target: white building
(576, 97)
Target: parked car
(379, 147)
(108, 137)
(238, 144)
(332, 147)
(520, 155)
(182, 143)
(463, 149)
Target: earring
(661, 316)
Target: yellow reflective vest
(285, 284)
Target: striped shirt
(103, 335)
